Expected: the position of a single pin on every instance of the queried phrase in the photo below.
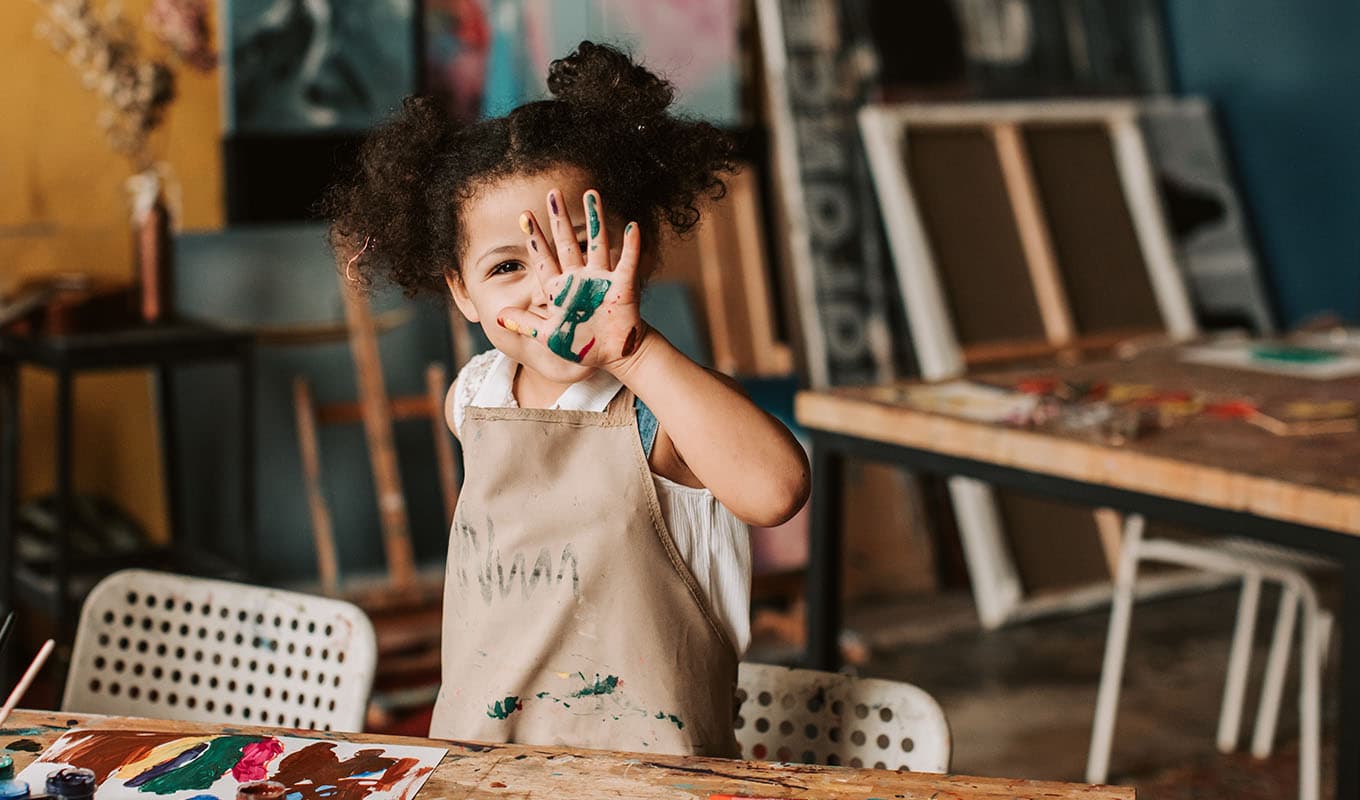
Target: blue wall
(1285, 77)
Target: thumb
(517, 320)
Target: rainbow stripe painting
(153, 765)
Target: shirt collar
(591, 394)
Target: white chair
(827, 718)
(153, 644)
(1256, 563)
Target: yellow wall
(63, 208)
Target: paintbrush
(29, 675)
(5, 631)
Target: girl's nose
(539, 297)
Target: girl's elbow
(784, 501)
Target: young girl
(598, 574)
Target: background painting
(1015, 48)
(457, 42)
(693, 43)
(316, 65)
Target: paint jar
(71, 783)
(261, 790)
(10, 789)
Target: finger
(625, 273)
(598, 243)
(564, 235)
(517, 320)
(540, 253)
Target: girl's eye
(506, 267)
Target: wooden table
(473, 770)
(1215, 474)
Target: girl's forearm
(746, 457)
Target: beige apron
(569, 616)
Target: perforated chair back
(812, 717)
(153, 644)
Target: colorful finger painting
(153, 765)
(589, 295)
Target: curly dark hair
(402, 208)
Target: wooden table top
(512, 771)
(1221, 463)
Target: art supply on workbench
(27, 679)
(261, 790)
(1277, 358)
(1306, 418)
(72, 783)
(10, 789)
(176, 766)
(965, 399)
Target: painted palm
(594, 317)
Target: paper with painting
(176, 766)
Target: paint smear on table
(150, 765)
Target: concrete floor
(1020, 700)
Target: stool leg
(1263, 740)
(1310, 703)
(1239, 658)
(1116, 645)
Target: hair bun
(600, 76)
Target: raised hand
(594, 318)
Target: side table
(162, 347)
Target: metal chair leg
(1267, 715)
(1310, 700)
(1116, 646)
(1239, 659)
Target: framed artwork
(302, 81)
(457, 47)
(1208, 226)
(934, 49)
(310, 66)
(836, 263)
(692, 43)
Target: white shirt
(713, 542)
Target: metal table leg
(174, 500)
(824, 558)
(248, 522)
(9, 498)
(65, 504)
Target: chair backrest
(154, 644)
(801, 715)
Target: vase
(154, 249)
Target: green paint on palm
(605, 685)
(593, 214)
(566, 289)
(221, 755)
(502, 709)
(676, 721)
(588, 297)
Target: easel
(405, 605)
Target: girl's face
(497, 269)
